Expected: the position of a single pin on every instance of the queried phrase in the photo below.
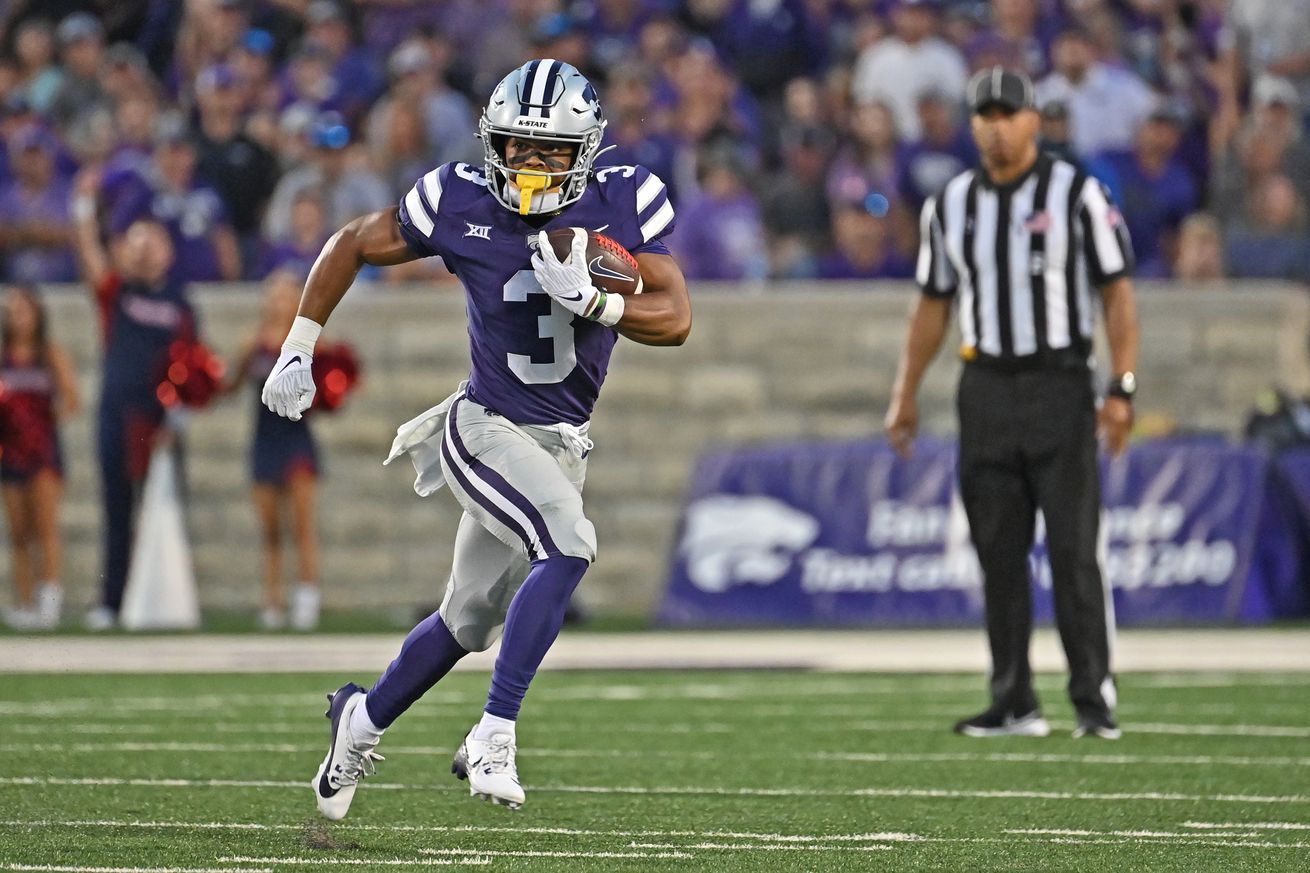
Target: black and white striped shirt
(1023, 258)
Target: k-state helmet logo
(734, 540)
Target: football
(612, 268)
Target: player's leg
(272, 614)
(1066, 478)
(528, 495)
(302, 488)
(1001, 512)
(485, 574)
(483, 578)
(22, 615)
(45, 493)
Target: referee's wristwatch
(1123, 387)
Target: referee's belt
(1046, 359)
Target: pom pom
(336, 375)
(191, 375)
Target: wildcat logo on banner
(852, 534)
(743, 540)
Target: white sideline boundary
(698, 790)
(1236, 650)
(714, 840)
(1280, 761)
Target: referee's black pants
(1028, 442)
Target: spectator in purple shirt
(135, 118)
(720, 234)
(308, 81)
(193, 212)
(309, 231)
(1019, 37)
(1271, 242)
(1154, 190)
(864, 245)
(869, 160)
(354, 67)
(944, 151)
(635, 130)
(765, 44)
(36, 230)
(614, 26)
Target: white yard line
(757, 847)
(548, 853)
(1220, 730)
(847, 757)
(1023, 758)
(1232, 835)
(926, 793)
(1255, 826)
(64, 868)
(1193, 730)
(478, 859)
(469, 829)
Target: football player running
(512, 442)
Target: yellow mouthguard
(528, 184)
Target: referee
(1023, 244)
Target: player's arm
(373, 239)
(661, 314)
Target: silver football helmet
(548, 100)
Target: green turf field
(697, 771)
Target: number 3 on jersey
(557, 326)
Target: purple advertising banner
(851, 534)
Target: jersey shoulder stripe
(446, 191)
(423, 201)
(654, 209)
(642, 198)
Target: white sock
(492, 725)
(362, 727)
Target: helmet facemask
(547, 101)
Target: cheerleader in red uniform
(284, 467)
(38, 387)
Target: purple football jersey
(534, 362)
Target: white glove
(289, 389)
(569, 282)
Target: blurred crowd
(799, 138)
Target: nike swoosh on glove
(568, 282)
(289, 389)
